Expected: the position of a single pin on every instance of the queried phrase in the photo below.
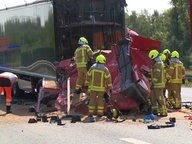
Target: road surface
(15, 129)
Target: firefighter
(157, 84)
(164, 58)
(166, 61)
(82, 55)
(175, 75)
(98, 81)
(7, 80)
(167, 53)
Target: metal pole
(68, 95)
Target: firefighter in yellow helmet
(166, 61)
(167, 53)
(164, 58)
(82, 55)
(98, 81)
(157, 84)
(175, 75)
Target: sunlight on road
(134, 141)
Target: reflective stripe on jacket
(82, 55)
(99, 78)
(158, 74)
(176, 71)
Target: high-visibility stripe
(101, 85)
(83, 54)
(134, 141)
(8, 103)
(172, 68)
(177, 78)
(91, 109)
(100, 110)
(89, 73)
(162, 78)
(107, 76)
(159, 82)
(78, 86)
(155, 79)
(110, 85)
(98, 77)
(100, 107)
(83, 61)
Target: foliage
(32, 40)
(172, 28)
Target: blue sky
(137, 5)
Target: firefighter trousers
(158, 101)
(174, 94)
(96, 103)
(81, 77)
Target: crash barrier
(187, 105)
(188, 78)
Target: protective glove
(183, 81)
(86, 87)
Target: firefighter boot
(163, 111)
(8, 109)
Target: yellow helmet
(153, 54)
(115, 113)
(82, 41)
(100, 59)
(162, 56)
(175, 54)
(166, 51)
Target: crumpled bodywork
(137, 86)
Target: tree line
(172, 28)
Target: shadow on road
(19, 107)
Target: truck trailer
(38, 40)
(35, 35)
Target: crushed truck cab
(128, 64)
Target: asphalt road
(94, 133)
(16, 130)
(186, 94)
